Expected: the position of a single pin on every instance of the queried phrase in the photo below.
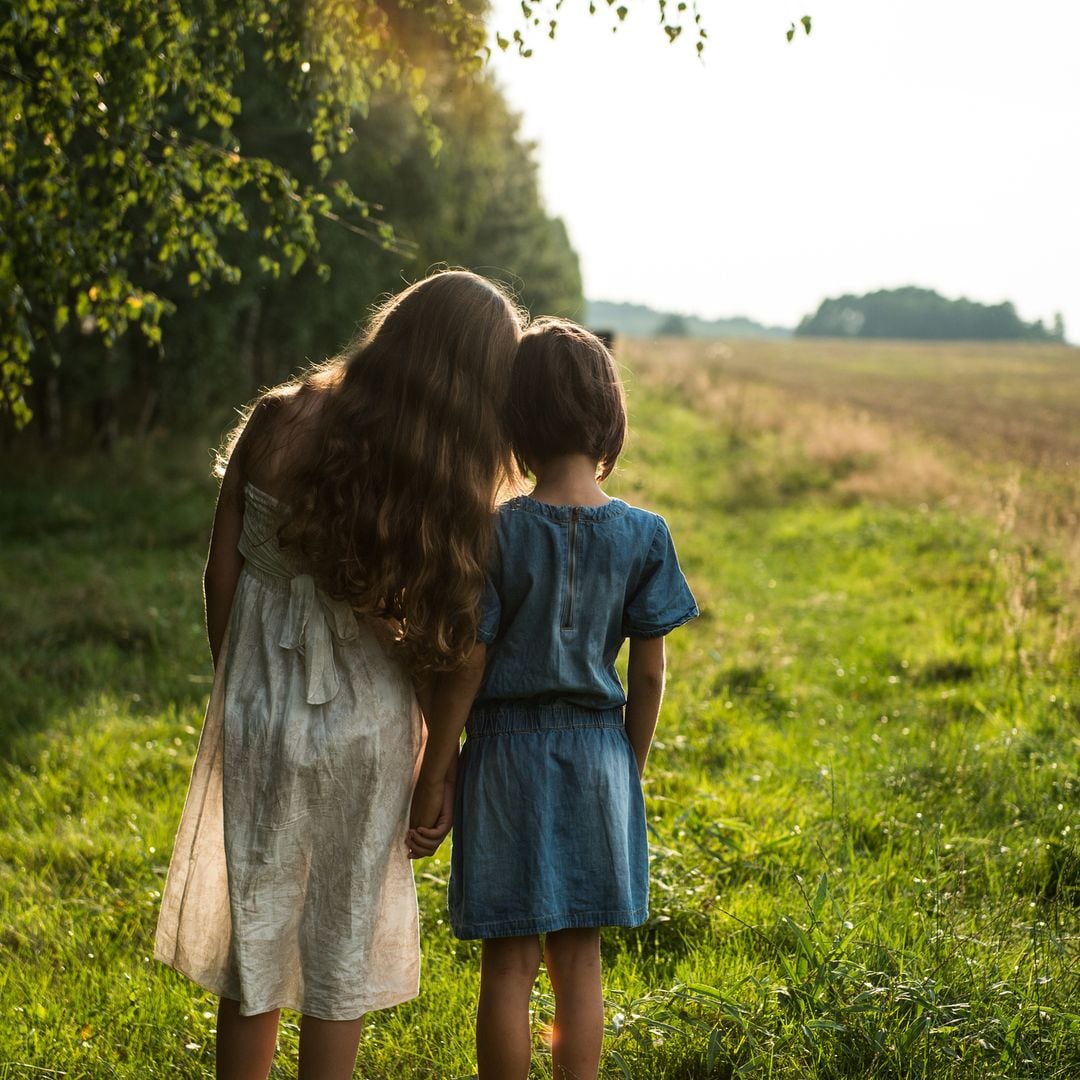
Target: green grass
(863, 796)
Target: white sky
(927, 142)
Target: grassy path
(864, 795)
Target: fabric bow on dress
(312, 624)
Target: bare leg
(573, 964)
(508, 970)
(328, 1048)
(245, 1044)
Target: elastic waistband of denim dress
(516, 718)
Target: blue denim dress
(549, 820)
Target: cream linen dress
(290, 885)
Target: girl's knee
(516, 958)
(573, 949)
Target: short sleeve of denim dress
(549, 821)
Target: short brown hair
(565, 397)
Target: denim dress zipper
(568, 617)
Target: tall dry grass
(990, 428)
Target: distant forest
(637, 320)
(924, 315)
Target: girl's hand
(424, 842)
(427, 803)
(430, 818)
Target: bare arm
(645, 691)
(445, 714)
(425, 841)
(224, 561)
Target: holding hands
(431, 816)
(445, 700)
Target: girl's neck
(568, 480)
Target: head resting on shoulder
(391, 505)
(438, 347)
(565, 397)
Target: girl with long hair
(350, 542)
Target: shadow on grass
(100, 591)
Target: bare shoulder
(301, 414)
(282, 430)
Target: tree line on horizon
(909, 313)
(640, 320)
(919, 314)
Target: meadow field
(864, 793)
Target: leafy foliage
(542, 16)
(123, 164)
(435, 145)
(805, 22)
(139, 165)
(477, 204)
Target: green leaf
(820, 895)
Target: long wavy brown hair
(391, 456)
